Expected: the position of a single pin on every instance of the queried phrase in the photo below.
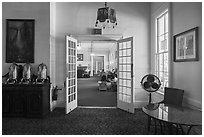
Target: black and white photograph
(101, 68)
(80, 57)
(185, 46)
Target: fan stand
(150, 98)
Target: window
(161, 52)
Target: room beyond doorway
(99, 54)
(90, 96)
(98, 64)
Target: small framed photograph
(20, 37)
(79, 57)
(186, 46)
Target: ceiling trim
(99, 38)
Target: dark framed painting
(20, 37)
(80, 57)
(186, 46)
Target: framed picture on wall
(20, 40)
(186, 46)
(79, 57)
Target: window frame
(157, 52)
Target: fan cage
(150, 83)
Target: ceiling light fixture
(106, 18)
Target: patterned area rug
(81, 121)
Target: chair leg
(177, 129)
(188, 132)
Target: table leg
(148, 123)
(169, 128)
(161, 128)
(155, 126)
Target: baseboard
(53, 105)
(192, 103)
(140, 104)
(189, 102)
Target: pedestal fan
(150, 83)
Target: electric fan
(150, 83)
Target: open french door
(71, 76)
(125, 74)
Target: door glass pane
(120, 60)
(128, 75)
(120, 96)
(120, 52)
(120, 74)
(69, 99)
(120, 82)
(120, 67)
(124, 90)
(69, 44)
(128, 91)
(124, 59)
(120, 45)
(120, 89)
(124, 68)
(128, 59)
(124, 83)
(129, 44)
(124, 98)
(128, 99)
(128, 52)
(129, 83)
(128, 67)
(124, 53)
(74, 96)
(124, 45)
(74, 46)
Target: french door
(125, 75)
(71, 76)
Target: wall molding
(187, 101)
(192, 103)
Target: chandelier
(106, 18)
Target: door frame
(113, 38)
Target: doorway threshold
(96, 107)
